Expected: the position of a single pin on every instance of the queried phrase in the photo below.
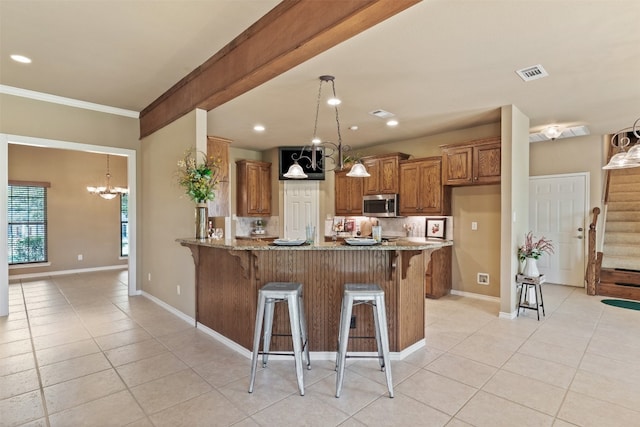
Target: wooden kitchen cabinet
(218, 148)
(384, 171)
(348, 194)
(475, 162)
(437, 280)
(253, 196)
(421, 190)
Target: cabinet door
(388, 176)
(457, 165)
(254, 198)
(218, 148)
(371, 184)
(486, 164)
(348, 194)
(430, 187)
(409, 189)
(264, 190)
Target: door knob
(580, 229)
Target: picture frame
(436, 228)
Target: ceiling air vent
(532, 73)
(566, 133)
(381, 114)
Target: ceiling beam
(291, 33)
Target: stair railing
(592, 275)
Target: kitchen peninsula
(230, 273)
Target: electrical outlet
(474, 225)
(483, 279)
(80, 257)
(352, 325)
(149, 277)
(178, 289)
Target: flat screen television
(285, 156)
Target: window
(27, 231)
(124, 224)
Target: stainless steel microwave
(380, 205)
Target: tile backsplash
(411, 226)
(245, 225)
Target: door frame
(587, 203)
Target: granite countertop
(406, 244)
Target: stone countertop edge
(250, 245)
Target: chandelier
(323, 151)
(621, 140)
(107, 192)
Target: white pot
(531, 268)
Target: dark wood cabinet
(437, 280)
(384, 171)
(421, 190)
(472, 163)
(218, 148)
(348, 194)
(253, 196)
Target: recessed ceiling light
(354, 127)
(259, 128)
(22, 59)
(392, 123)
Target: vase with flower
(531, 251)
(199, 180)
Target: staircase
(620, 269)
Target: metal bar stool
(268, 296)
(373, 295)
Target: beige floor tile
(57, 318)
(458, 423)
(18, 363)
(73, 368)
(605, 388)
(9, 325)
(46, 311)
(621, 371)
(14, 335)
(552, 352)
(60, 338)
(293, 409)
(63, 352)
(528, 392)
(18, 383)
(168, 326)
(482, 350)
(61, 303)
(117, 409)
(423, 357)
(209, 409)
(622, 350)
(487, 410)
(221, 372)
(199, 353)
(42, 422)
(142, 422)
(119, 339)
(133, 352)
(400, 411)
(561, 339)
(168, 391)
(437, 391)
(586, 411)
(21, 409)
(544, 370)
(69, 327)
(14, 348)
(107, 328)
(149, 369)
(81, 390)
(370, 368)
(468, 372)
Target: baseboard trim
(508, 316)
(474, 295)
(170, 308)
(66, 272)
(226, 341)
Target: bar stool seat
(268, 296)
(373, 295)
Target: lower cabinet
(437, 281)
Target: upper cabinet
(421, 190)
(348, 194)
(384, 172)
(475, 162)
(218, 148)
(253, 188)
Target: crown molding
(39, 96)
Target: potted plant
(199, 180)
(531, 251)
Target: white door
(301, 199)
(558, 211)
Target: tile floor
(76, 351)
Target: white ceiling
(440, 65)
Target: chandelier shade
(621, 140)
(324, 152)
(107, 191)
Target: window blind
(27, 223)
